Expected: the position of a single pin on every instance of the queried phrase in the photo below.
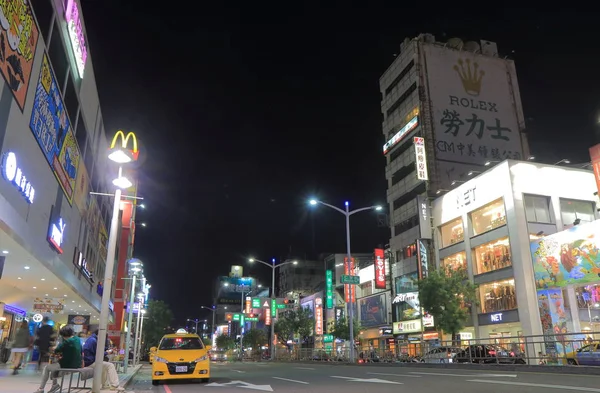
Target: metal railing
(553, 349)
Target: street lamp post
(213, 309)
(135, 268)
(141, 339)
(347, 213)
(273, 266)
(136, 348)
(194, 321)
(120, 155)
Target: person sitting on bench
(70, 356)
(110, 378)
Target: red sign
(318, 317)
(349, 290)
(267, 316)
(595, 157)
(379, 269)
(248, 303)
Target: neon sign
(14, 174)
(408, 127)
(76, 35)
(56, 234)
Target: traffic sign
(255, 302)
(352, 280)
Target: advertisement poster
(18, 42)
(48, 305)
(93, 217)
(570, 257)
(372, 310)
(52, 129)
(379, 266)
(556, 322)
(82, 183)
(102, 241)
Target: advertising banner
(570, 257)
(102, 241)
(379, 266)
(81, 192)
(420, 158)
(231, 289)
(423, 257)
(318, 316)
(349, 290)
(19, 36)
(407, 326)
(48, 305)
(52, 129)
(424, 216)
(373, 310)
(329, 289)
(595, 158)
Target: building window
(491, 216)
(400, 76)
(72, 104)
(43, 13)
(572, 210)
(452, 232)
(366, 289)
(401, 99)
(497, 296)
(537, 209)
(456, 262)
(402, 173)
(58, 57)
(492, 256)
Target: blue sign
(14, 174)
(15, 310)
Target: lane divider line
(291, 380)
(397, 375)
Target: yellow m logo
(124, 141)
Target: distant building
(301, 279)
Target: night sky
(245, 112)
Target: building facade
(514, 230)
(53, 234)
(301, 279)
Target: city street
(331, 378)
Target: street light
(194, 321)
(135, 269)
(347, 213)
(213, 309)
(273, 266)
(121, 155)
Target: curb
(576, 370)
(127, 380)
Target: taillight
(512, 354)
(492, 353)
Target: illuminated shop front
(490, 227)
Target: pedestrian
(44, 341)
(22, 345)
(110, 378)
(69, 353)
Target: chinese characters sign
(349, 290)
(379, 269)
(420, 158)
(18, 42)
(248, 304)
(475, 111)
(14, 174)
(52, 129)
(329, 289)
(76, 35)
(318, 316)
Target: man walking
(69, 352)
(44, 341)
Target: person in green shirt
(70, 356)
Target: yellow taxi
(151, 354)
(181, 355)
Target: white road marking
(537, 385)
(304, 368)
(397, 375)
(239, 371)
(242, 384)
(372, 380)
(291, 380)
(466, 375)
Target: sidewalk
(28, 379)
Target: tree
(225, 342)
(304, 322)
(285, 328)
(294, 322)
(447, 296)
(159, 317)
(255, 338)
(341, 329)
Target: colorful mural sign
(52, 129)
(570, 257)
(18, 41)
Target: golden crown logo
(470, 76)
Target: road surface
(334, 378)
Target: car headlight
(201, 359)
(160, 360)
(224, 356)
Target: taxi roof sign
(181, 331)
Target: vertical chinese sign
(52, 129)
(268, 316)
(420, 158)
(349, 290)
(76, 35)
(318, 316)
(248, 304)
(329, 289)
(379, 266)
(18, 42)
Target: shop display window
(492, 256)
(452, 232)
(456, 262)
(497, 296)
(588, 296)
(491, 216)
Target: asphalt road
(333, 378)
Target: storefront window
(456, 262)
(452, 232)
(492, 256)
(497, 296)
(491, 216)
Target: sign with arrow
(243, 385)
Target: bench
(70, 372)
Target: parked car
(487, 353)
(441, 355)
(588, 355)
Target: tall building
(302, 278)
(53, 234)
(449, 108)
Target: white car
(441, 355)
